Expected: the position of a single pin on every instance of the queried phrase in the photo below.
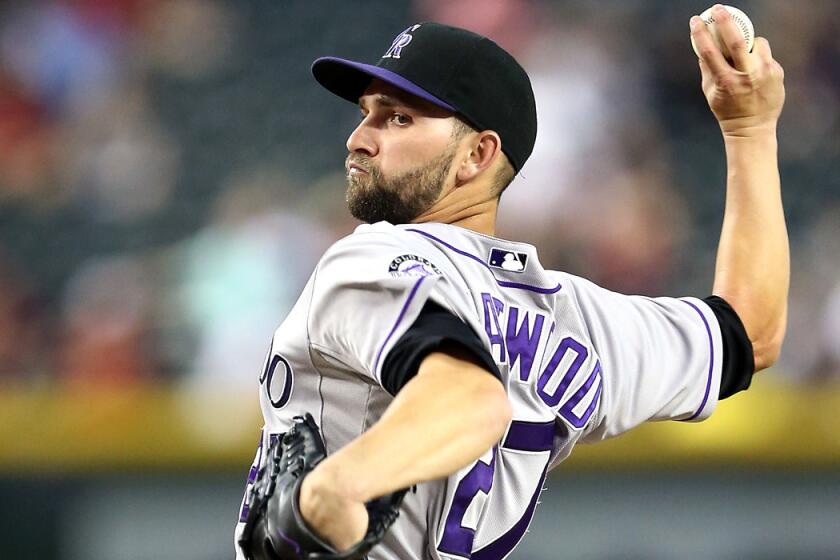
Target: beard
(373, 197)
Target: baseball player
(441, 371)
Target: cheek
(410, 152)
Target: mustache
(358, 159)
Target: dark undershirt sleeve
(738, 360)
(434, 327)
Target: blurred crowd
(170, 174)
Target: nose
(362, 140)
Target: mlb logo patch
(511, 261)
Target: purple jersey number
(457, 539)
(522, 436)
(272, 376)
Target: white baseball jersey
(579, 363)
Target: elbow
(502, 416)
(766, 352)
(495, 410)
(766, 349)
(764, 324)
(483, 398)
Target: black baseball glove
(275, 528)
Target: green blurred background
(170, 174)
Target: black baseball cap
(455, 69)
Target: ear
(484, 148)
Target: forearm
(753, 262)
(442, 420)
(445, 418)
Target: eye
(400, 119)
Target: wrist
(750, 142)
(319, 488)
(333, 516)
(748, 129)
(323, 489)
(337, 476)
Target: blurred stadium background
(169, 175)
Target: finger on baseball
(705, 73)
(761, 47)
(732, 37)
(707, 49)
(762, 50)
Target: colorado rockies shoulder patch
(412, 265)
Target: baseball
(741, 20)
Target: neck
(479, 217)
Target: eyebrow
(384, 100)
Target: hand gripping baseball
(275, 528)
(748, 94)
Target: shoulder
(367, 242)
(380, 250)
(378, 237)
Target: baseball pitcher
(432, 374)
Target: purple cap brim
(349, 80)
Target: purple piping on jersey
(399, 319)
(711, 361)
(530, 436)
(288, 540)
(501, 283)
(502, 546)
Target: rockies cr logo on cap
(400, 42)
